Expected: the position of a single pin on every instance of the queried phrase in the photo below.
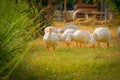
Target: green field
(70, 63)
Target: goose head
(50, 30)
(68, 40)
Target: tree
(114, 5)
(66, 14)
(42, 11)
(115, 8)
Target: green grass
(13, 35)
(70, 64)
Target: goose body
(101, 35)
(79, 36)
(51, 39)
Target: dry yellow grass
(89, 27)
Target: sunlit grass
(71, 63)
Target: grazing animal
(51, 39)
(101, 35)
(79, 36)
(119, 32)
(64, 35)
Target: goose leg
(80, 44)
(47, 48)
(77, 44)
(98, 44)
(108, 44)
(53, 48)
(93, 46)
(85, 44)
(68, 45)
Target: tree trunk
(66, 14)
(45, 9)
(48, 15)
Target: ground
(71, 63)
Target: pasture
(71, 63)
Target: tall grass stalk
(19, 59)
(13, 34)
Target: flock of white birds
(53, 36)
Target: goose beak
(67, 44)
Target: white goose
(51, 39)
(66, 32)
(119, 32)
(101, 35)
(79, 36)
